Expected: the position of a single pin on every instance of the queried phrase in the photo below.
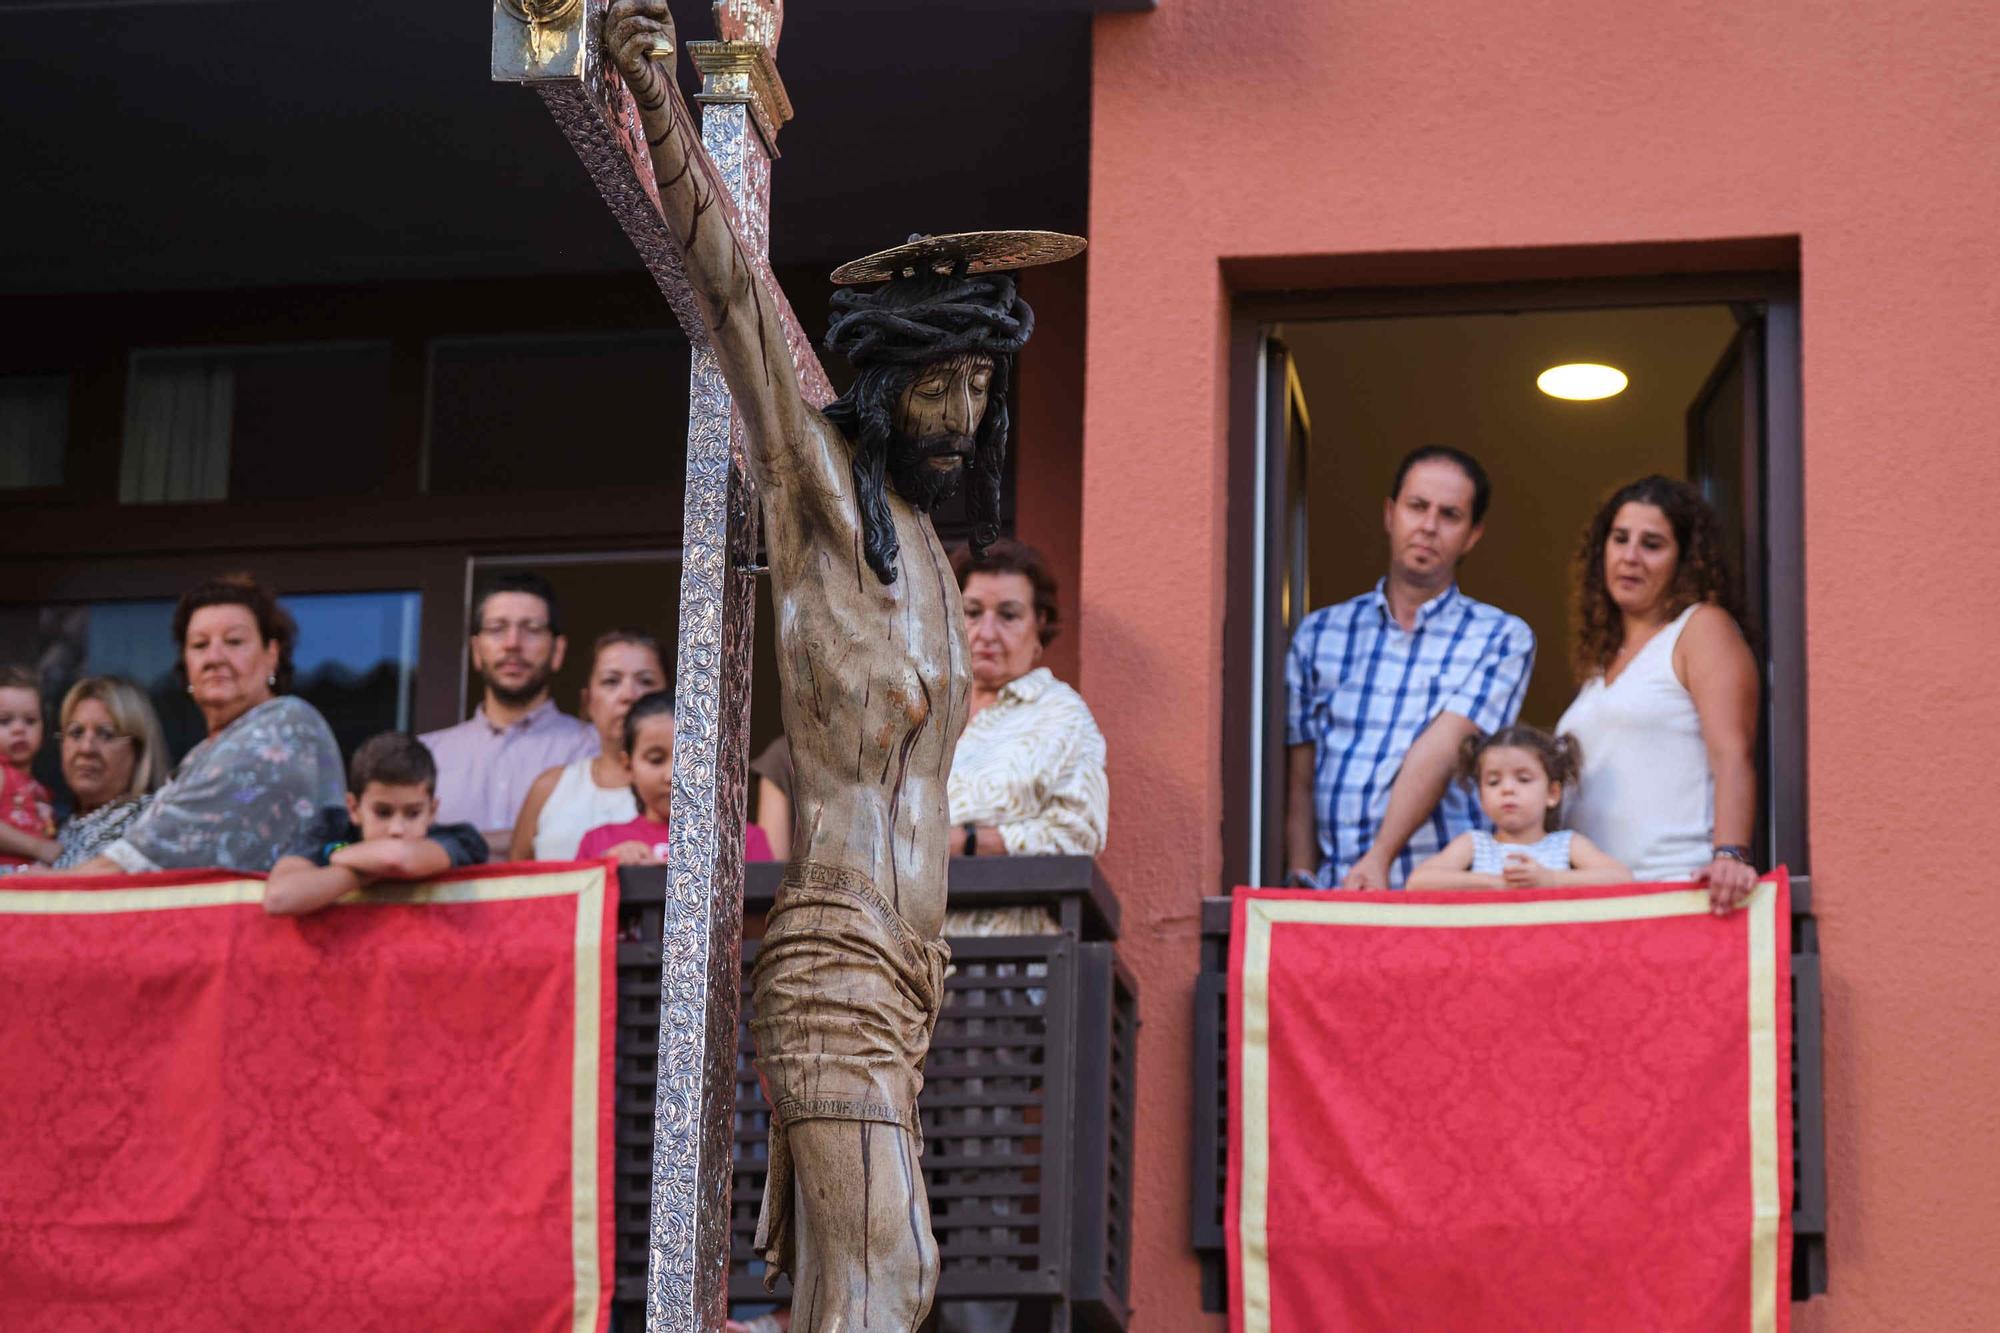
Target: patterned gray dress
(242, 797)
(84, 836)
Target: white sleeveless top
(574, 808)
(1489, 854)
(1646, 795)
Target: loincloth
(846, 996)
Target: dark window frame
(239, 351)
(39, 495)
(1251, 607)
(435, 575)
(447, 341)
(1761, 275)
(93, 338)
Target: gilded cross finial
(742, 66)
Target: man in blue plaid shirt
(1381, 690)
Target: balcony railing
(1027, 1104)
(1211, 1101)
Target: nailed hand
(633, 29)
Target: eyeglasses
(527, 629)
(76, 733)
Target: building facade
(1807, 190)
(1239, 150)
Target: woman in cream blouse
(1028, 777)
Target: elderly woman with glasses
(113, 760)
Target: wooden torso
(876, 683)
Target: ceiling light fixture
(1582, 381)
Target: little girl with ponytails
(1519, 773)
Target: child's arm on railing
(1589, 864)
(1451, 868)
(394, 858)
(297, 886)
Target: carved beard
(923, 483)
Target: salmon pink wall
(1226, 131)
(1048, 443)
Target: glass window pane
(311, 421)
(356, 661)
(557, 413)
(177, 425)
(256, 423)
(34, 430)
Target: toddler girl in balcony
(27, 826)
(649, 751)
(1518, 773)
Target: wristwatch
(971, 847)
(1735, 851)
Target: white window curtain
(34, 430)
(178, 416)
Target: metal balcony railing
(1027, 1104)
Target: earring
(190, 691)
(271, 680)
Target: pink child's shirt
(25, 804)
(600, 840)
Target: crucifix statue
(871, 652)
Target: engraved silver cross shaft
(557, 47)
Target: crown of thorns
(964, 314)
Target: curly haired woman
(1667, 712)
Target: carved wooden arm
(741, 317)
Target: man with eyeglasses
(487, 762)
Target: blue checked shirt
(1359, 687)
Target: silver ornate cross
(557, 46)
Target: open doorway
(1342, 389)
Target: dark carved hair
(1701, 571)
(656, 704)
(889, 333)
(274, 623)
(1007, 556)
(394, 758)
(1561, 756)
(1482, 488)
(520, 580)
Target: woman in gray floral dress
(240, 798)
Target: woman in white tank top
(1667, 716)
(567, 802)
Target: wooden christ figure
(872, 653)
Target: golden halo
(979, 251)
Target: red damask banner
(385, 1115)
(1554, 1109)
